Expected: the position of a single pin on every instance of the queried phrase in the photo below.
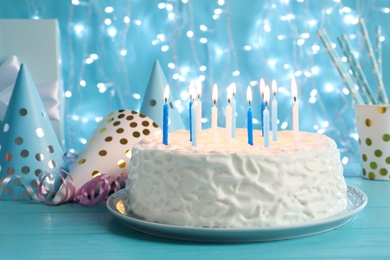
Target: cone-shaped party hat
(28, 144)
(109, 150)
(153, 100)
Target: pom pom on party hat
(109, 150)
(153, 101)
(29, 147)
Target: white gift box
(35, 43)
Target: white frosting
(211, 185)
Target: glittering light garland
(108, 49)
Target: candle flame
(232, 87)
(294, 91)
(229, 95)
(274, 87)
(191, 89)
(249, 94)
(215, 93)
(266, 94)
(199, 88)
(262, 86)
(166, 93)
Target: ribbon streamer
(99, 188)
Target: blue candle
(262, 107)
(274, 113)
(233, 104)
(266, 117)
(194, 125)
(165, 116)
(249, 116)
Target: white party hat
(153, 100)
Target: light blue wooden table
(30, 230)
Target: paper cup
(373, 126)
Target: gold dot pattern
(95, 173)
(382, 110)
(18, 140)
(374, 135)
(121, 163)
(23, 112)
(111, 150)
(82, 161)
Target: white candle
(232, 87)
(214, 114)
(295, 111)
(266, 117)
(191, 92)
(262, 106)
(199, 107)
(229, 121)
(194, 119)
(274, 112)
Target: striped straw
(382, 96)
(357, 70)
(339, 66)
(378, 35)
(352, 67)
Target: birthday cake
(238, 185)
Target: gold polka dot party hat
(29, 147)
(108, 152)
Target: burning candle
(295, 112)
(262, 107)
(233, 89)
(249, 115)
(266, 117)
(199, 107)
(214, 114)
(165, 116)
(194, 119)
(229, 120)
(274, 112)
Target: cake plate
(357, 200)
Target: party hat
(109, 150)
(28, 144)
(153, 101)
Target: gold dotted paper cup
(373, 126)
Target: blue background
(108, 48)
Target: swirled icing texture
(212, 185)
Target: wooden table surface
(32, 230)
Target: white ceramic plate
(357, 200)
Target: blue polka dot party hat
(29, 147)
(153, 101)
